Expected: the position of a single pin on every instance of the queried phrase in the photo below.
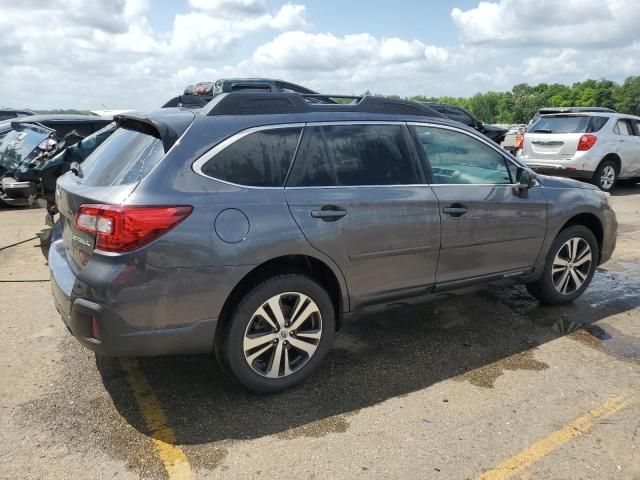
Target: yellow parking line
(164, 439)
(574, 429)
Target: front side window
(458, 158)
(259, 159)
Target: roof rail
(263, 103)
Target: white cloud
(567, 23)
(326, 52)
(231, 8)
(201, 35)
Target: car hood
(560, 182)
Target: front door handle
(455, 210)
(328, 213)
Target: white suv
(596, 146)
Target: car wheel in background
(569, 268)
(279, 334)
(606, 175)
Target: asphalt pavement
(490, 385)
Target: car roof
(591, 114)
(574, 109)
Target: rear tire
(279, 333)
(569, 267)
(605, 175)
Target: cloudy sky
(139, 53)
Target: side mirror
(525, 179)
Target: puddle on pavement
(487, 375)
(609, 340)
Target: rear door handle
(455, 210)
(328, 213)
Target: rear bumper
(17, 193)
(103, 331)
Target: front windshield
(21, 144)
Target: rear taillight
(125, 228)
(586, 142)
(520, 142)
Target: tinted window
(7, 116)
(457, 158)
(125, 157)
(459, 116)
(568, 124)
(314, 168)
(260, 159)
(369, 155)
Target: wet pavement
(450, 389)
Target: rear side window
(125, 157)
(259, 159)
(568, 124)
(352, 155)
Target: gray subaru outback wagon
(253, 227)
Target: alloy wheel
(607, 177)
(282, 335)
(571, 266)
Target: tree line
(523, 101)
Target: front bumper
(103, 331)
(17, 193)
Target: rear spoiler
(168, 132)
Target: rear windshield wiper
(542, 130)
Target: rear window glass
(568, 124)
(260, 159)
(125, 157)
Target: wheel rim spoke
(274, 303)
(576, 279)
(256, 354)
(564, 280)
(582, 260)
(311, 309)
(561, 262)
(261, 312)
(315, 335)
(254, 341)
(274, 368)
(309, 348)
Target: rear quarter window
(127, 156)
(259, 159)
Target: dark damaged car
(27, 168)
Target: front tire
(605, 175)
(569, 268)
(279, 333)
